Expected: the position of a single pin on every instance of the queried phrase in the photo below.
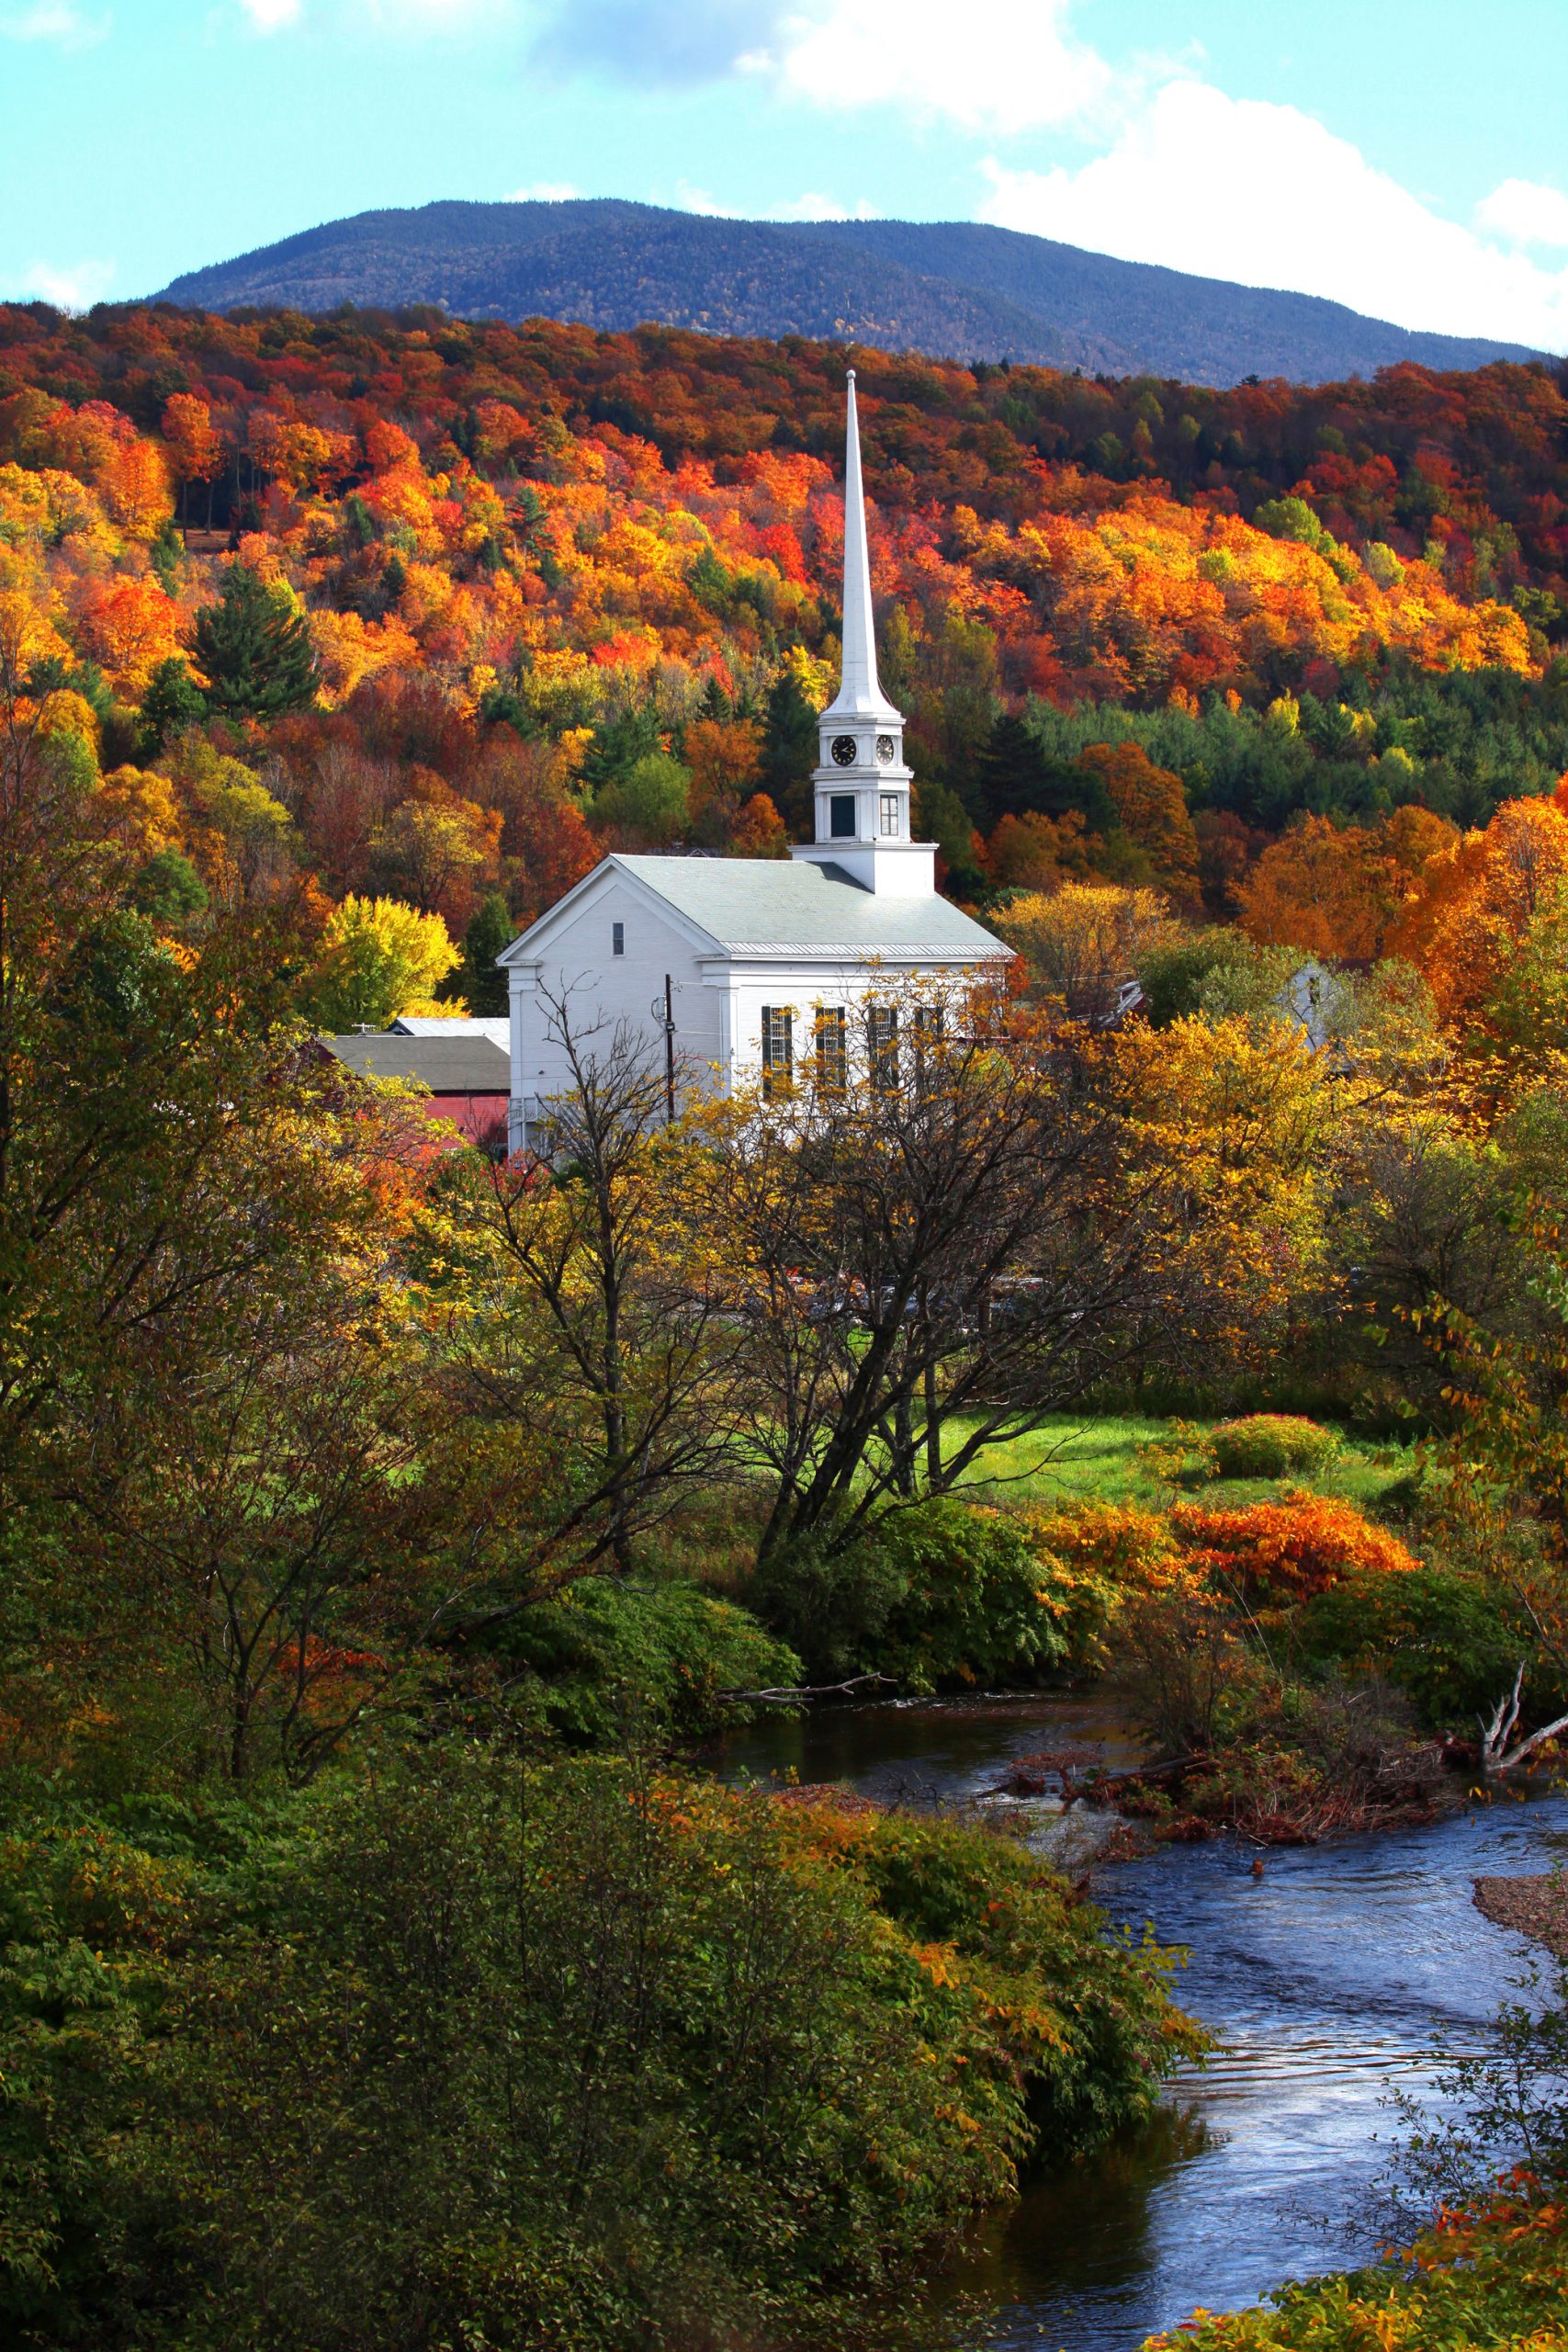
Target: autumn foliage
(522, 562)
(1289, 1549)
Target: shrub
(657, 1655)
(945, 1592)
(1450, 1641)
(1270, 1445)
(1495, 2275)
(982, 1909)
(1190, 1679)
(84, 1920)
(1120, 1542)
(1312, 1762)
(1302, 1544)
(583, 2057)
(1092, 1556)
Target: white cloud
(1233, 187)
(544, 192)
(821, 208)
(1526, 213)
(56, 21)
(651, 44)
(75, 288)
(272, 16)
(997, 66)
(697, 199)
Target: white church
(760, 962)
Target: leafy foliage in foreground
(1491, 2279)
(573, 2057)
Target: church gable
(614, 893)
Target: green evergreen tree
(618, 746)
(254, 651)
(789, 754)
(1015, 773)
(171, 702)
(479, 981)
(942, 817)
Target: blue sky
(1405, 157)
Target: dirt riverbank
(1534, 1906)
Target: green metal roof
(762, 906)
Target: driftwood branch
(1161, 1772)
(1497, 1756)
(802, 1692)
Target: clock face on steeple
(885, 750)
(844, 751)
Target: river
(1326, 1981)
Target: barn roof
(497, 1027)
(446, 1065)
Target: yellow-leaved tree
(377, 958)
(1082, 945)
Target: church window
(832, 1059)
(618, 939)
(778, 1048)
(883, 1029)
(841, 816)
(890, 812)
(928, 1044)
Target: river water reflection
(1326, 1981)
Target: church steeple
(860, 783)
(860, 693)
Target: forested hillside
(958, 288)
(529, 593)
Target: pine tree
(479, 981)
(171, 702)
(254, 651)
(618, 744)
(1015, 774)
(789, 753)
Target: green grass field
(1075, 1459)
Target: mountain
(953, 290)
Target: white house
(759, 961)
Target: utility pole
(665, 1013)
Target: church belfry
(861, 784)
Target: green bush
(611, 1654)
(938, 1594)
(85, 1919)
(1450, 1642)
(1270, 1445)
(581, 2057)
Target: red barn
(468, 1077)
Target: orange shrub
(1093, 1558)
(1299, 1545)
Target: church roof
(754, 906)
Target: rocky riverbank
(1535, 1904)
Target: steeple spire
(859, 695)
(859, 783)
